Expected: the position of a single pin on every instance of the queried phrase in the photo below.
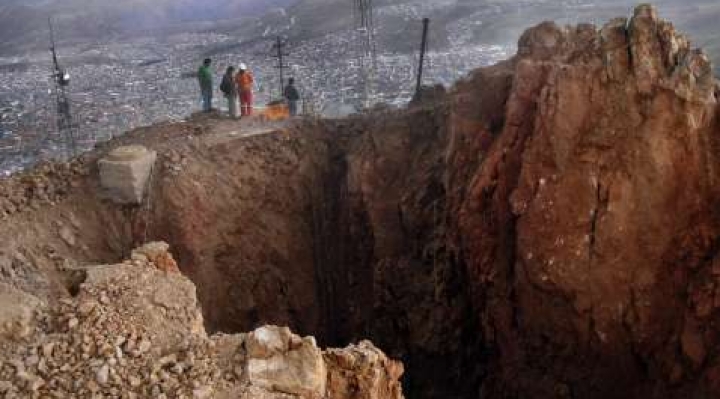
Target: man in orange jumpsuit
(245, 81)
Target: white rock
(144, 346)
(134, 381)
(267, 341)
(275, 366)
(68, 236)
(203, 393)
(124, 173)
(102, 375)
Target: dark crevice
(601, 203)
(594, 221)
(600, 200)
(73, 279)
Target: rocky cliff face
(545, 229)
(589, 229)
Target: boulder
(283, 362)
(124, 173)
(18, 312)
(158, 254)
(364, 372)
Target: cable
(148, 208)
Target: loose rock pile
(46, 184)
(135, 331)
(174, 162)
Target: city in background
(138, 76)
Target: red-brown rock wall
(593, 210)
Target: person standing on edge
(292, 96)
(206, 84)
(245, 81)
(230, 91)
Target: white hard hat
(243, 67)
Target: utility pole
(280, 54)
(363, 11)
(423, 49)
(61, 80)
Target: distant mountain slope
(19, 24)
(24, 23)
(470, 22)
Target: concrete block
(124, 173)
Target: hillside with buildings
(137, 69)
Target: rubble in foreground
(135, 330)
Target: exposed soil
(337, 229)
(548, 228)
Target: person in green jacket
(206, 84)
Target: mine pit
(547, 228)
(334, 229)
(321, 231)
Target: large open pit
(336, 229)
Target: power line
(280, 54)
(364, 14)
(61, 80)
(423, 49)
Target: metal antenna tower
(280, 54)
(61, 79)
(364, 13)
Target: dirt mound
(545, 229)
